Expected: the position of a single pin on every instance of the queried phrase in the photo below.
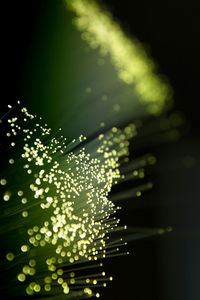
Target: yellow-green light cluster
(58, 197)
(130, 59)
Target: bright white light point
(39, 192)
(55, 229)
(24, 200)
(49, 199)
(24, 248)
(39, 161)
(6, 197)
(38, 181)
(25, 214)
(21, 277)
(66, 290)
(3, 181)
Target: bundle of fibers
(57, 220)
(55, 211)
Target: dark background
(162, 267)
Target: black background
(163, 267)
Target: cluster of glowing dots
(69, 190)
